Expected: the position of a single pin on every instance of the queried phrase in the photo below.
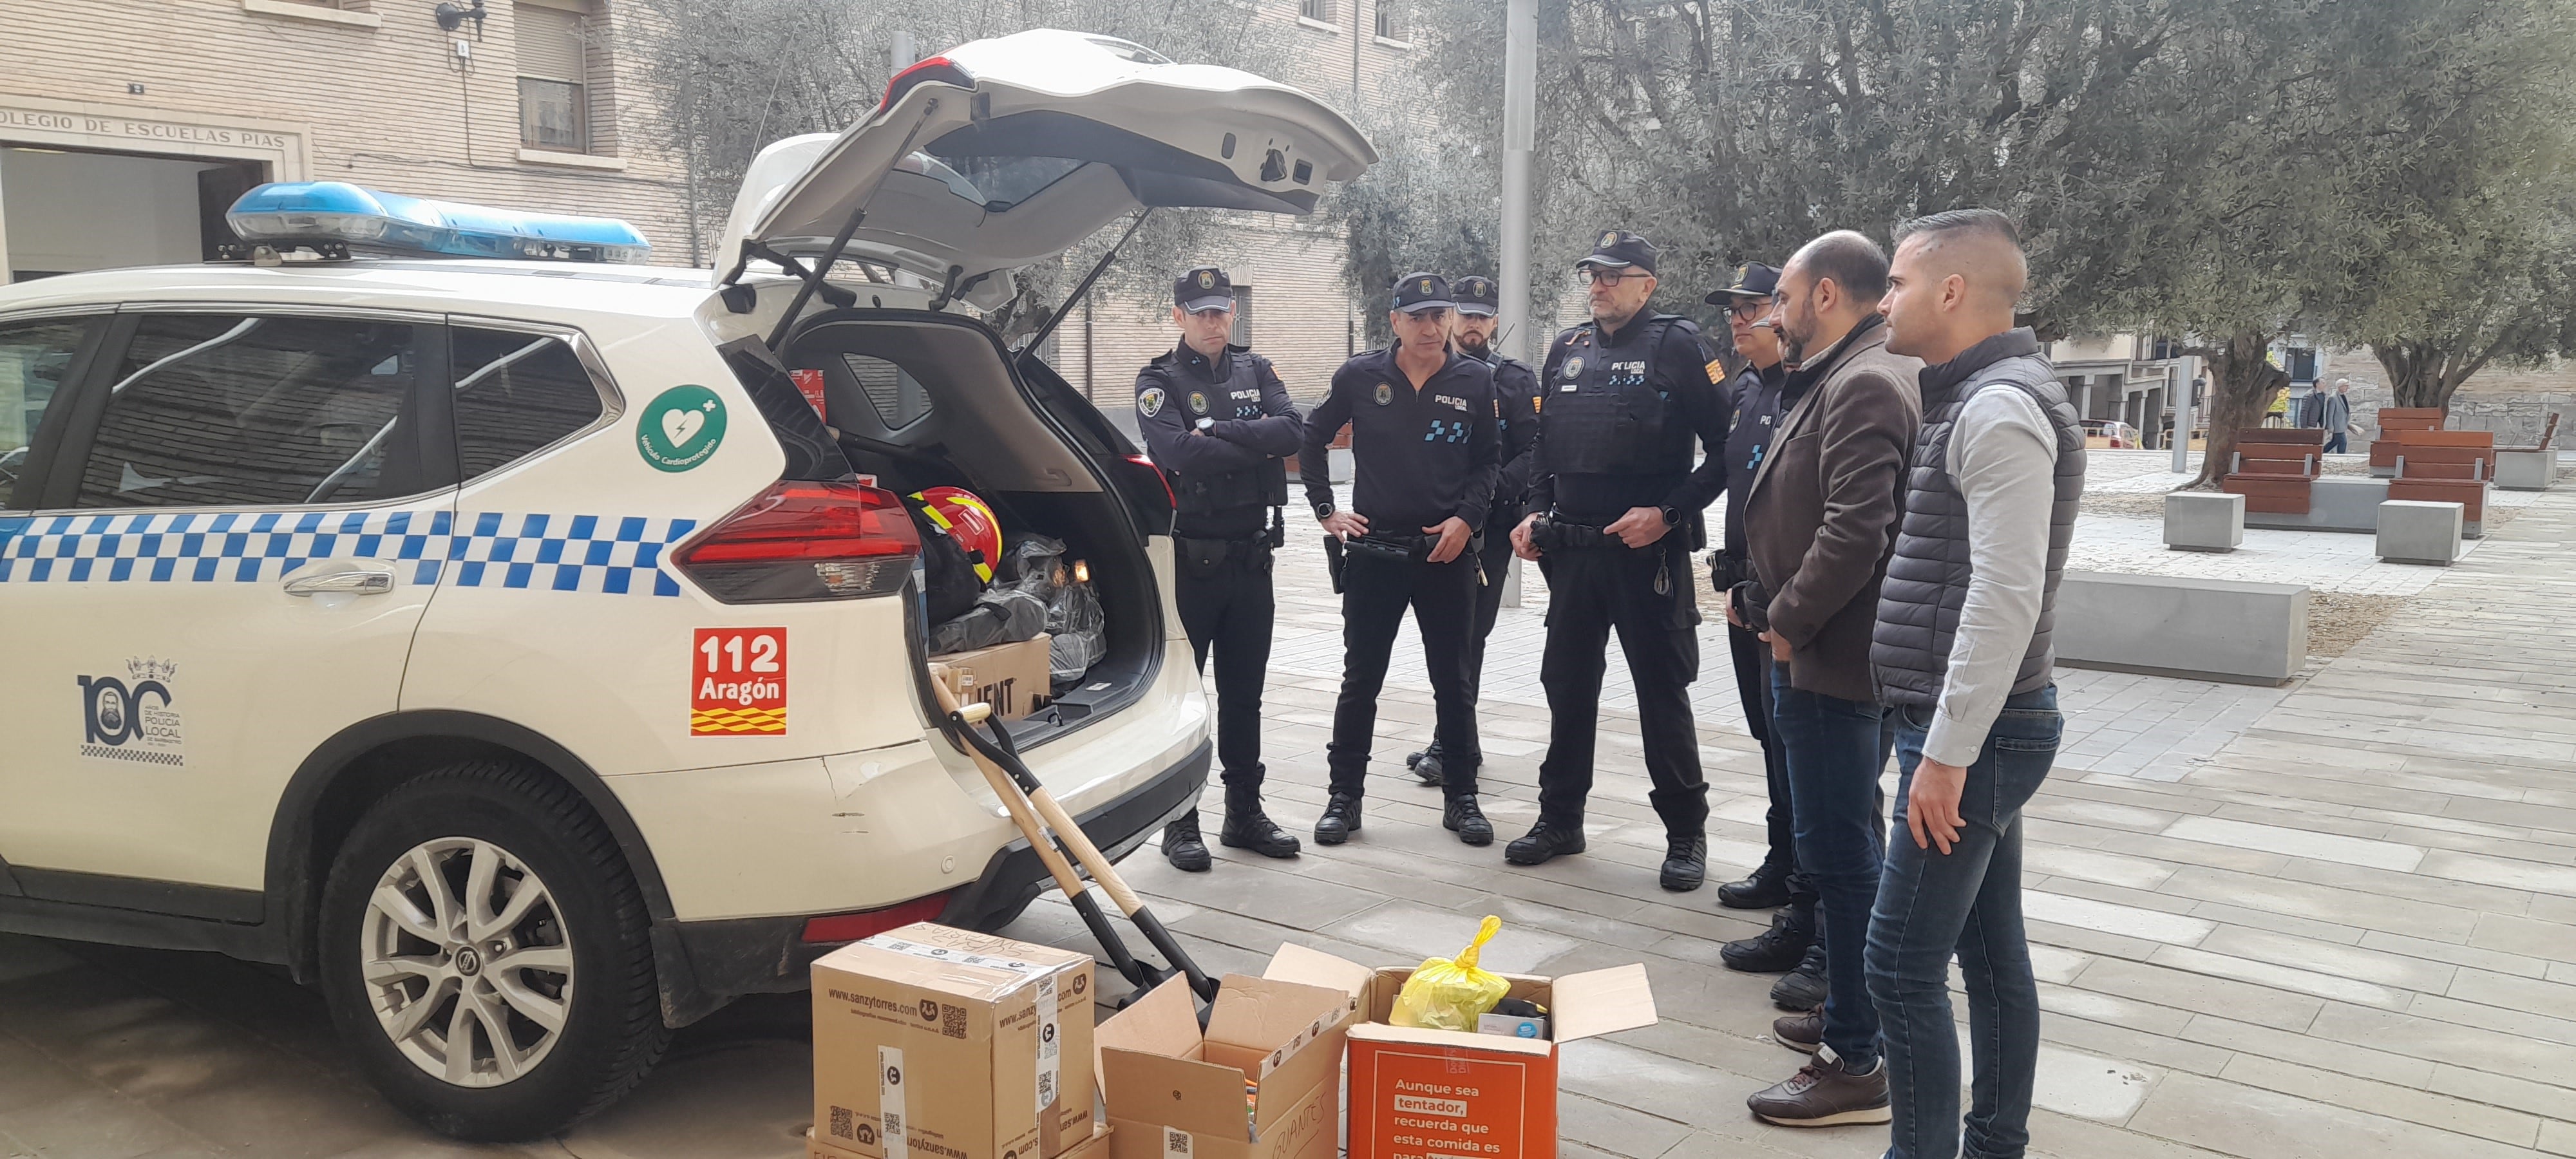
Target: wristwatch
(1672, 515)
(1206, 424)
(1323, 511)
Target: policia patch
(1385, 394)
(1150, 402)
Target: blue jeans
(1831, 746)
(1931, 904)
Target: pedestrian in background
(1424, 454)
(1962, 656)
(2331, 410)
(1822, 520)
(1217, 420)
(1626, 395)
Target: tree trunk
(2242, 384)
(2414, 372)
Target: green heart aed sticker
(681, 427)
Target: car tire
(559, 935)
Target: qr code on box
(952, 1020)
(844, 1124)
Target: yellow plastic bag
(1451, 995)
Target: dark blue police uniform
(1421, 455)
(1620, 411)
(1516, 421)
(1221, 428)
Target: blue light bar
(327, 212)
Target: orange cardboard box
(939, 1043)
(1261, 1082)
(1444, 1094)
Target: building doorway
(67, 210)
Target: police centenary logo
(1150, 402)
(136, 721)
(681, 428)
(1385, 394)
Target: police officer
(1425, 451)
(1516, 420)
(1217, 420)
(1755, 397)
(1615, 512)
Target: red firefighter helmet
(968, 520)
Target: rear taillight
(852, 927)
(938, 68)
(1145, 492)
(805, 541)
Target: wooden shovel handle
(1018, 806)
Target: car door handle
(365, 581)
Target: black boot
(1426, 766)
(1341, 819)
(1767, 887)
(1182, 846)
(1685, 863)
(1804, 987)
(1777, 950)
(1460, 815)
(1247, 827)
(1545, 840)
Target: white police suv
(492, 631)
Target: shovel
(1029, 803)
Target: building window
(554, 93)
(1242, 335)
(1390, 19)
(1320, 11)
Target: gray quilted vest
(1927, 580)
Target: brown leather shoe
(1801, 1032)
(1825, 1094)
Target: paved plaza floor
(2326, 921)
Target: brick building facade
(127, 127)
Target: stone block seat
(2273, 468)
(2533, 468)
(2446, 467)
(2418, 531)
(2393, 422)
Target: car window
(897, 396)
(516, 394)
(33, 359)
(214, 410)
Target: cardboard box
(1095, 1147)
(1262, 1082)
(1443, 1094)
(1014, 678)
(936, 1043)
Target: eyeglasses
(1749, 309)
(1601, 277)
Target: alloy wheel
(466, 962)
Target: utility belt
(1551, 532)
(1725, 570)
(1203, 557)
(1391, 547)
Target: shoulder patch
(1150, 403)
(1716, 372)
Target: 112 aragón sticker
(738, 682)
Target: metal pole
(901, 54)
(1520, 139)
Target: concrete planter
(2204, 521)
(2526, 470)
(2413, 531)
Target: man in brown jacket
(1822, 519)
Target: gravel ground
(2338, 620)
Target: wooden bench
(2395, 421)
(2446, 467)
(2548, 436)
(2273, 468)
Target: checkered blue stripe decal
(563, 553)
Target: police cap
(1205, 288)
(1419, 291)
(1751, 280)
(1619, 249)
(1477, 295)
